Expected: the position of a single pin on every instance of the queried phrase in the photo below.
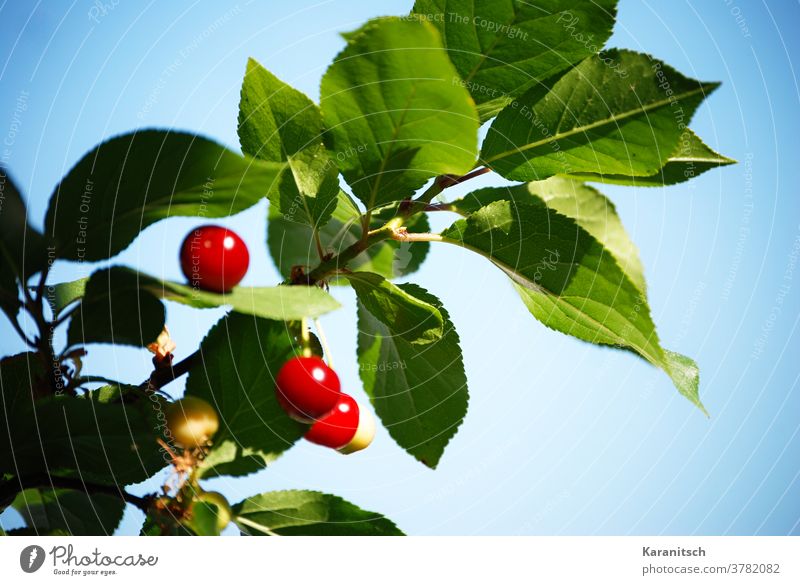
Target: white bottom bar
(351, 561)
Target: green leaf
(569, 281)
(284, 303)
(112, 444)
(418, 391)
(9, 293)
(588, 207)
(115, 308)
(409, 317)
(135, 180)
(60, 296)
(500, 49)
(22, 379)
(691, 158)
(22, 248)
(23, 251)
(308, 513)
(241, 357)
(68, 511)
(278, 123)
(291, 243)
(619, 112)
(395, 113)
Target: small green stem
(318, 243)
(259, 527)
(339, 262)
(392, 229)
(324, 342)
(305, 337)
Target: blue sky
(561, 437)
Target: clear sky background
(561, 437)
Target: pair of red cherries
(215, 259)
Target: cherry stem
(306, 337)
(324, 342)
(338, 263)
(259, 527)
(165, 374)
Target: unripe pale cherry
(307, 388)
(214, 258)
(224, 512)
(347, 428)
(192, 421)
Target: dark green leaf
(588, 207)
(278, 123)
(22, 379)
(500, 49)
(23, 251)
(619, 112)
(691, 158)
(116, 309)
(67, 511)
(307, 513)
(291, 243)
(111, 444)
(419, 391)
(22, 248)
(240, 358)
(395, 112)
(134, 180)
(416, 321)
(570, 281)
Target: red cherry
(307, 388)
(214, 258)
(338, 427)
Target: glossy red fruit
(214, 258)
(347, 428)
(338, 427)
(307, 388)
